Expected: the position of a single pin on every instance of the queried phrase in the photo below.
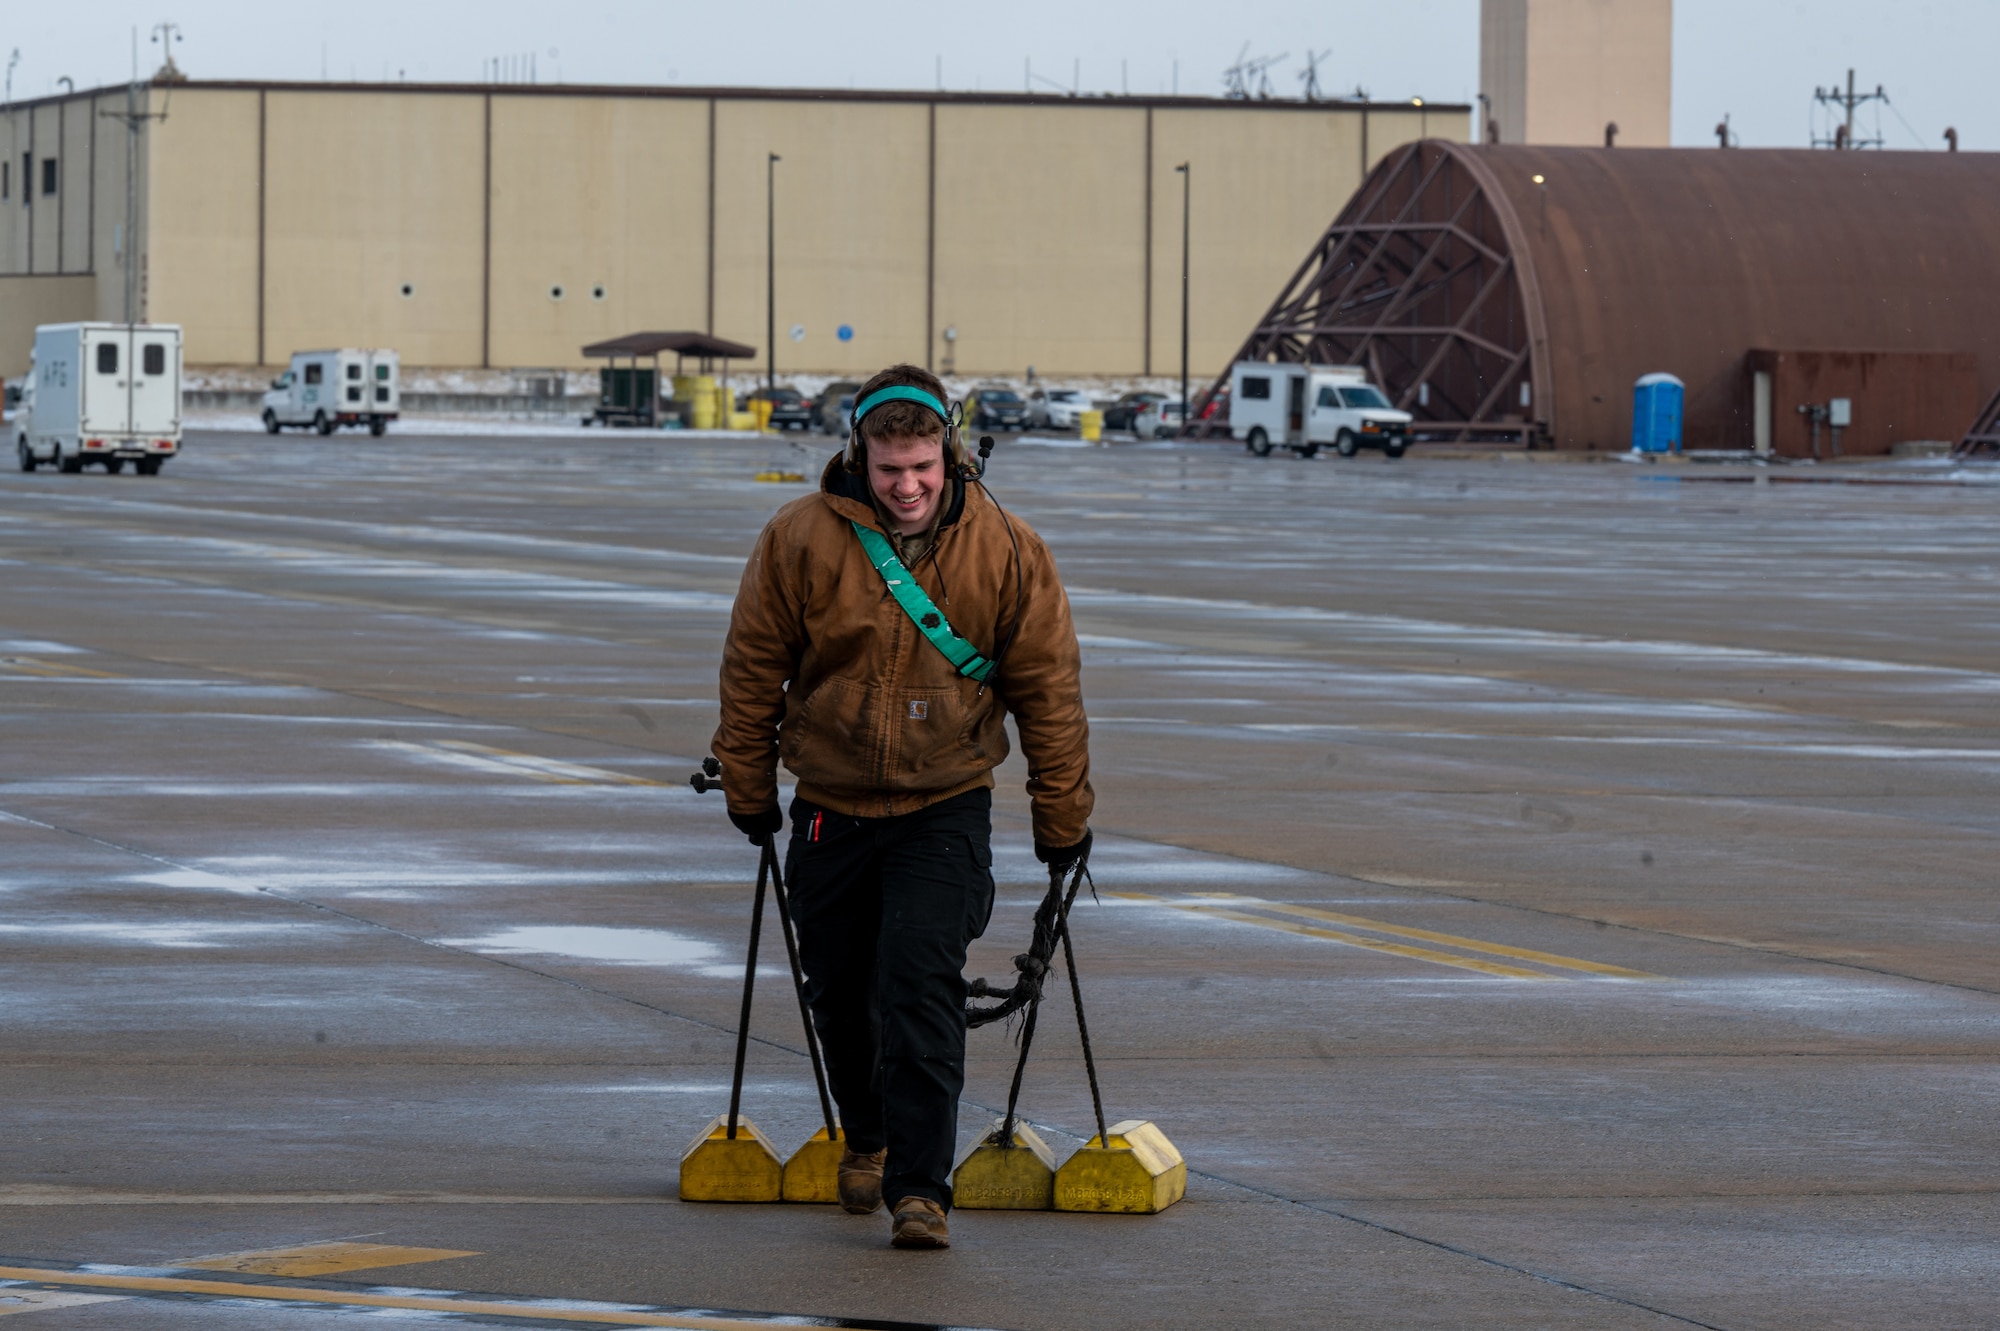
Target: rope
(1031, 968)
(769, 872)
(764, 863)
(784, 900)
(1083, 1033)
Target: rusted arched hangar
(1503, 292)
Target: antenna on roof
(1249, 78)
(1311, 75)
(1235, 80)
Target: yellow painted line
(229, 1289)
(15, 1299)
(29, 665)
(319, 1259)
(1352, 940)
(1452, 940)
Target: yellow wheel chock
(1137, 1173)
(813, 1172)
(740, 1164)
(717, 1168)
(1129, 1168)
(1020, 1177)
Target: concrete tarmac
(1532, 896)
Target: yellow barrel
(701, 412)
(693, 387)
(760, 409)
(1090, 424)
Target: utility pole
(1843, 133)
(771, 271)
(1187, 179)
(13, 136)
(134, 121)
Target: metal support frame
(1419, 280)
(1984, 436)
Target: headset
(953, 416)
(969, 468)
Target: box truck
(324, 390)
(101, 393)
(1302, 407)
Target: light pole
(1187, 178)
(771, 272)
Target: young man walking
(883, 629)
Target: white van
(324, 390)
(101, 393)
(1302, 407)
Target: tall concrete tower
(1559, 71)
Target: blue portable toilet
(1656, 413)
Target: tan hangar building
(506, 226)
(1562, 72)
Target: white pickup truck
(1303, 407)
(324, 390)
(103, 394)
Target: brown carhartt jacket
(824, 671)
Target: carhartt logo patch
(919, 710)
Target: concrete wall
(27, 301)
(590, 195)
(202, 216)
(1556, 71)
(852, 225)
(364, 196)
(43, 232)
(508, 226)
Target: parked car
(996, 407)
(789, 408)
(1118, 416)
(1159, 420)
(835, 402)
(1056, 408)
(1302, 407)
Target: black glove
(1061, 859)
(763, 823)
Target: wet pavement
(1532, 896)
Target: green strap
(917, 604)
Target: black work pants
(885, 909)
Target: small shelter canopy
(705, 345)
(631, 395)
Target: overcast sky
(1757, 60)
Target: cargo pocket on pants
(979, 890)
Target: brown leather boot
(919, 1223)
(860, 1178)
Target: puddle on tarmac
(620, 947)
